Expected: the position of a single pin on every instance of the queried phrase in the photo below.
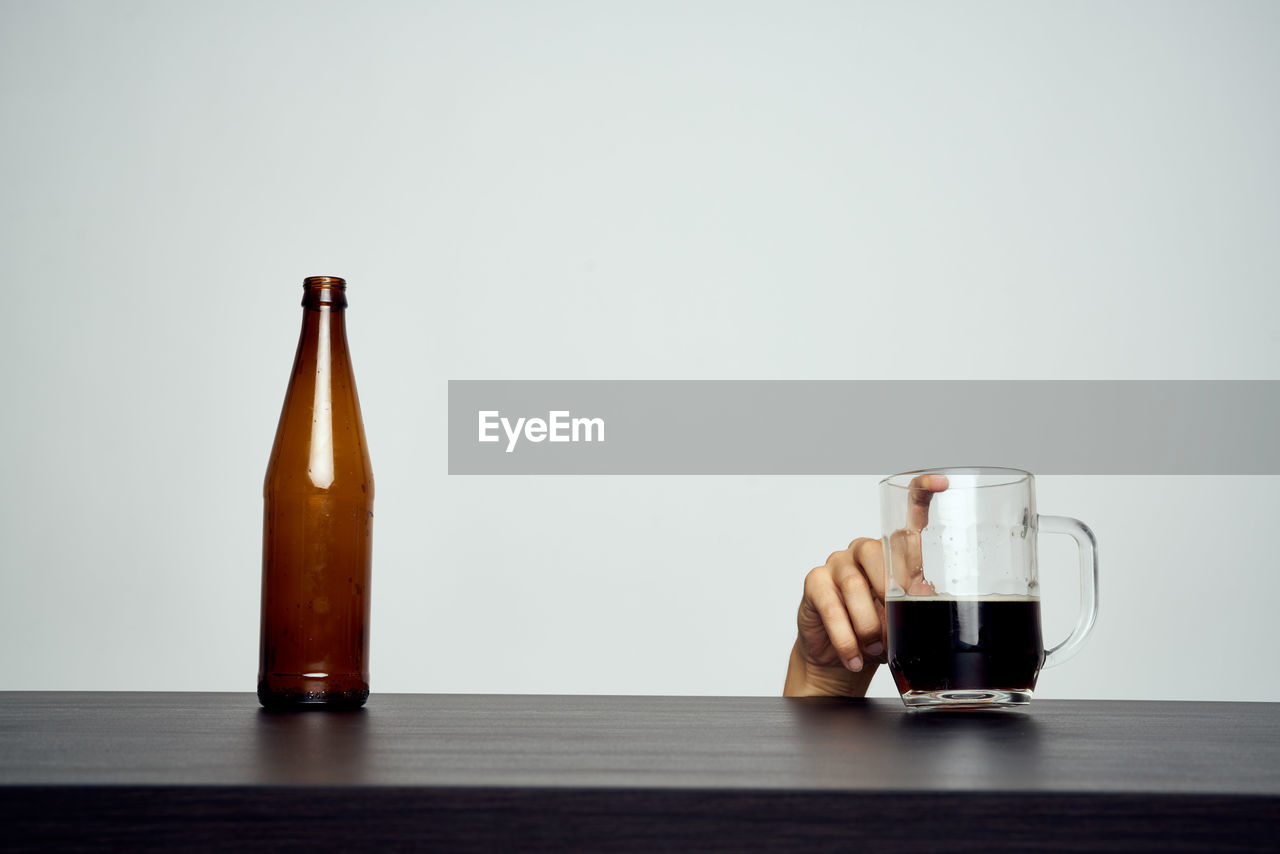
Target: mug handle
(1088, 545)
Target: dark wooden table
(141, 771)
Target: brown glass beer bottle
(317, 539)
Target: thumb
(920, 493)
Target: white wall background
(606, 190)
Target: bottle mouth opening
(325, 282)
(324, 291)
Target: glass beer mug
(962, 593)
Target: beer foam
(979, 597)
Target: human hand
(840, 624)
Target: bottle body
(317, 543)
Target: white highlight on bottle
(320, 466)
(558, 426)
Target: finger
(813, 637)
(919, 493)
(919, 585)
(904, 572)
(913, 554)
(908, 564)
(840, 561)
(827, 601)
(835, 619)
(813, 634)
(868, 554)
(860, 604)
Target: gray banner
(862, 427)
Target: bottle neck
(322, 344)
(323, 321)
(324, 389)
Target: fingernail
(854, 664)
(874, 648)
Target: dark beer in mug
(985, 645)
